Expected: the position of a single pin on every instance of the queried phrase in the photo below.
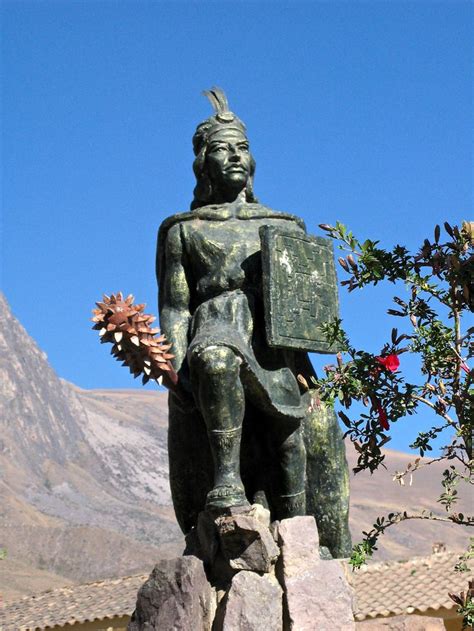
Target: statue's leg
(288, 496)
(215, 374)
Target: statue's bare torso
(225, 255)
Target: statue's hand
(183, 392)
(184, 382)
(183, 388)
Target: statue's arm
(174, 297)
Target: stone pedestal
(316, 593)
(177, 596)
(240, 572)
(252, 602)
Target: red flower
(391, 362)
(382, 417)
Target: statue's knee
(215, 361)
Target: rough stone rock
(402, 623)
(316, 593)
(176, 596)
(299, 543)
(253, 603)
(246, 543)
(261, 514)
(208, 537)
(274, 530)
(203, 541)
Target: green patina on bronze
(327, 486)
(299, 289)
(240, 430)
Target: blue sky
(358, 112)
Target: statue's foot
(226, 495)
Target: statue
(239, 416)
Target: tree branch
(450, 519)
(447, 418)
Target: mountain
(83, 489)
(84, 480)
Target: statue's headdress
(222, 119)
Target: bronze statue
(239, 417)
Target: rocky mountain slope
(83, 487)
(84, 484)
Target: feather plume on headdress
(220, 103)
(222, 118)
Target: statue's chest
(222, 243)
(225, 255)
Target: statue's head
(223, 165)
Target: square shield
(299, 289)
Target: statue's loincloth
(228, 320)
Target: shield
(299, 289)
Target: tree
(439, 280)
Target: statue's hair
(204, 190)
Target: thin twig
(450, 519)
(401, 474)
(447, 418)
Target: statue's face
(228, 159)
